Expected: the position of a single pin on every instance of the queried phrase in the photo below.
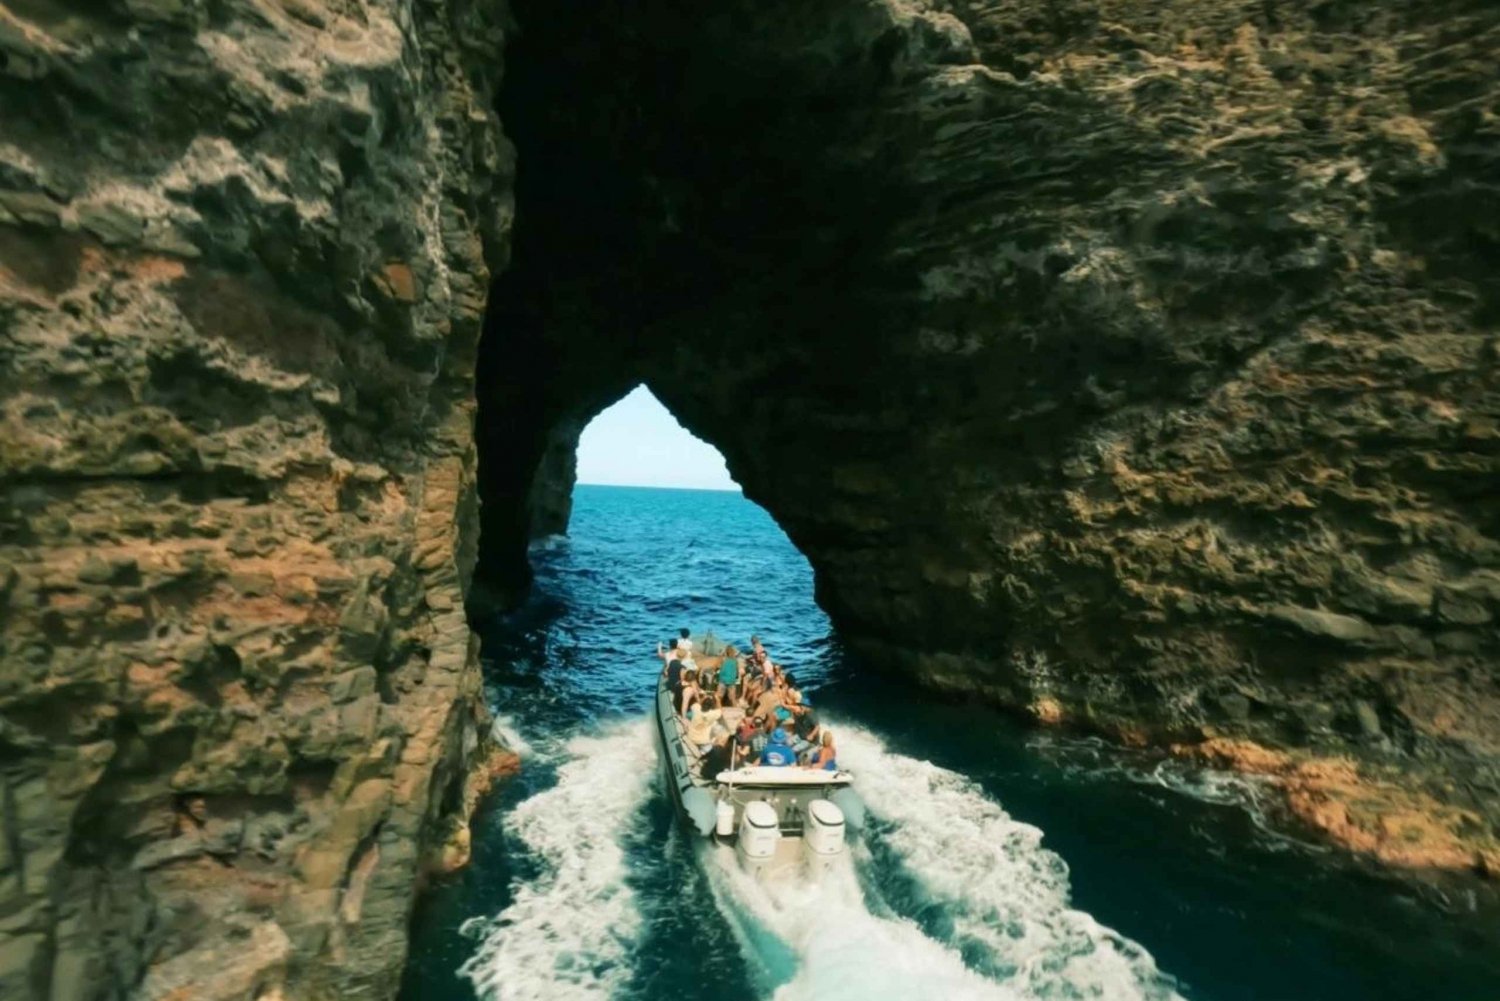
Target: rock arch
(1127, 364)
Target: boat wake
(980, 881)
(822, 942)
(945, 895)
(568, 932)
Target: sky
(637, 443)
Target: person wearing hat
(778, 752)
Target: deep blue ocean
(1001, 862)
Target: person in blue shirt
(778, 752)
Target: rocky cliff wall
(1133, 365)
(244, 255)
(1128, 364)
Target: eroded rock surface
(1133, 365)
(244, 254)
(1130, 364)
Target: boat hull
(696, 798)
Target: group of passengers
(744, 709)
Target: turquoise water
(1001, 862)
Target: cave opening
(685, 220)
(848, 256)
(636, 442)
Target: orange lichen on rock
(396, 281)
(1391, 823)
(1047, 710)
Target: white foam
(568, 933)
(505, 733)
(1089, 759)
(820, 942)
(1005, 896)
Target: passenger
(769, 701)
(729, 671)
(691, 693)
(765, 666)
(669, 652)
(719, 757)
(825, 758)
(784, 711)
(685, 641)
(805, 725)
(700, 723)
(673, 674)
(744, 749)
(778, 752)
(764, 725)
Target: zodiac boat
(783, 822)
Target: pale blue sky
(637, 443)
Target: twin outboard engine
(759, 834)
(822, 837)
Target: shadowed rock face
(1128, 364)
(1133, 365)
(244, 253)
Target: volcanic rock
(244, 254)
(1132, 365)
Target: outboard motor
(759, 833)
(822, 837)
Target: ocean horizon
(657, 486)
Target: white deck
(790, 775)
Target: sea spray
(506, 733)
(568, 933)
(1001, 897)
